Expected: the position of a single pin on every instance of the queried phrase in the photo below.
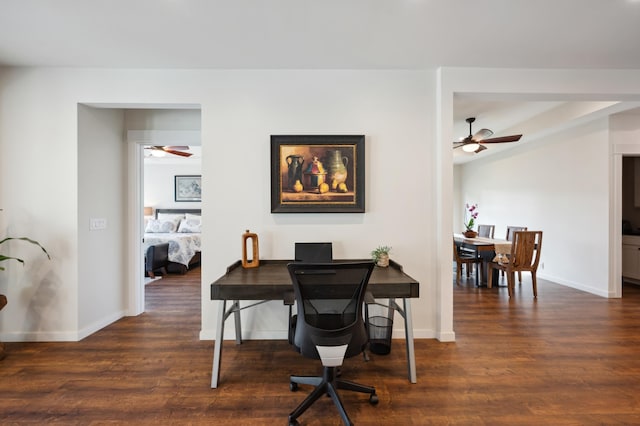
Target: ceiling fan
(475, 142)
(175, 150)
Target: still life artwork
(316, 174)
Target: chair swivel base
(327, 384)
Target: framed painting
(188, 188)
(317, 174)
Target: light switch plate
(97, 223)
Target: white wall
(39, 195)
(163, 119)
(391, 108)
(406, 116)
(240, 110)
(101, 187)
(558, 185)
(159, 181)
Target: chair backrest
(525, 250)
(486, 231)
(512, 229)
(456, 253)
(313, 252)
(329, 299)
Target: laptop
(313, 252)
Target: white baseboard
(99, 325)
(60, 336)
(575, 285)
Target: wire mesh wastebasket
(380, 329)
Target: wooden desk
(271, 281)
(484, 248)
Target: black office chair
(329, 326)
(310, 253)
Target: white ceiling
(332, 34)
(320, 34)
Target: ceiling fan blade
(481, 137)
(502, 139)
(180, 153)
(177, 148)
(482, 134)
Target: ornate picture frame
(317, 174)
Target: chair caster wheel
(294, 423)
(373, 399)
(293, 387)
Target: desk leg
(236, 317)
(217, 348)
(408, 331)
(405, 312)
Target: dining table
(488, 249)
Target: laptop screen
(313, 252)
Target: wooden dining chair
(486, 231)
(462, 258)
(524, 256)
(509, 237)
(512, 229)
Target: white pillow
(170, 216)
(175, 218)
(190, 225)
(157, 226)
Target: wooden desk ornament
(254, 261)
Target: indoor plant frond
(29, 240)
(3, 298)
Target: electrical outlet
(541, 265)
(97, 223)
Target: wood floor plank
(565, 358)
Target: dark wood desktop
(271, 281)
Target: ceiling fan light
(470, 147)
(158, 153)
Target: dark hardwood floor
(567, 358)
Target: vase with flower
(470, 215)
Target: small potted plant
(470, 215)
(381, 256)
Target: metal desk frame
(271, 281)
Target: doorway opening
(168, 145)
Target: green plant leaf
(29, 240)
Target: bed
(181, 229)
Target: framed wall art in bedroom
(188, 188)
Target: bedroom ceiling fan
(475, 142)
(175, 150)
